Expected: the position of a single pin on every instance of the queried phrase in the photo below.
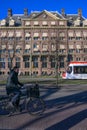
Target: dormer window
(33, 15)
(11, 22)
(3, 22)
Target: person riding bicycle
(13, 86)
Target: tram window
(69, 70)
(80, 69)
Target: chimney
(63, 12)
(79, 12)
(25, 12)
(9, 12)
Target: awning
(27, 23)
(78, 34)
(85, 22)
(44, 23)
(27, 35)
(10, 47)
(70, 34)
(36, 23)
(85, 46)
(44, 35)
(27, 46)
(62, 34)
(18, 47)
(53, 34)
(3, 34)
(11, 34)
(85, 34)
(36, 34)
(78, 46)
(71, 46)
(62, 47)
(3, 46)
(18, 34)
(53, 22)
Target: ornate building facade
(41, 43)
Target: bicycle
(30, 98)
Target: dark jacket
(12, 82)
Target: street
(66, 109)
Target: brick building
(43, 42)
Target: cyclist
(13, 86)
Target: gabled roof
(53, 15)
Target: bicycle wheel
(35, 106)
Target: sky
(17, 6)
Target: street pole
(31, 57)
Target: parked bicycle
(30, 101)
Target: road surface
(66, 109)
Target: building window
(27, 51)
(78, 38)
(61, 59)
(17, 50)
(78, 50)
(78, 59)
(61, 64)
(26, 62)
(2, 62)
(35, 38)
(35, 47)
(53, 38)
(44, 61)
(71, 38)
(18, 61)
(62, 50)
(62, 38)
(44, 38)
(53, 62)
(85, 50)
(45, 47)
(27, 38)
(2, 51)
(71, 50)
(53, 46)
(84, 38)
(35, 62)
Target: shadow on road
(69, 122)
(59, 103)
